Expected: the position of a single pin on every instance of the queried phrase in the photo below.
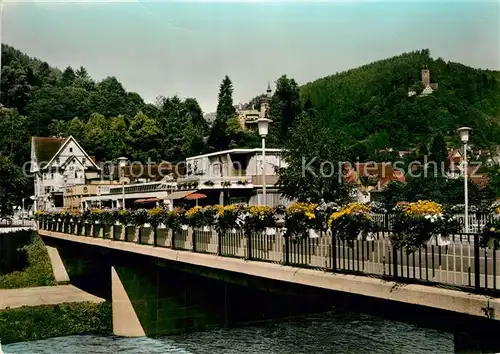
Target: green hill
(371, 104)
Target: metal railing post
(477, 269)
(395, 261)
(287, 247)
(249, 244)
(219, 243)
(334, 249)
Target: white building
(57, 163)
(234, 176)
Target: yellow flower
(193, 211)
(350, 209)
(260, 210)
(492, 229)
(222, 209)
(301, 207)
(497, 210)
(310, 215)
(423, 207)
(155, 211)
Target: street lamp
(122, 162)
(263, 125)
(22, 211)
(464, 137)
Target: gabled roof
(71, 158)
(454, 156)
(45, 148)
(79, 146)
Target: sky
(166, 48)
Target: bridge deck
(447, 299)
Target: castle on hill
(427, 87)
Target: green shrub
(41, 322)
(37, 273)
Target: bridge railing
(476, 220)
(16, 222)
(457, 261)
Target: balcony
(216, 182)
(270, 180)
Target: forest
(349, 115)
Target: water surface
(331, 332)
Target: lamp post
(464, 137)
(22, 211)
(122, 162)
(263, 125)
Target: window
(83, 161)
(52, 175)
(70, 149)
(57, 160)
(76, 174)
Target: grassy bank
(34, 323)
(38, 270)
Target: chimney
(426, 77)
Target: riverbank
(32, 307)
(30, 263)
(46, 321)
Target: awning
(148, 200)
(177, 195)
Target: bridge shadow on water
(174, 298)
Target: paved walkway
(45, 295)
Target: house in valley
(57, 163)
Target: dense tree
(285, 107)
(68, 77)
(14, 138)
(55, 103)
(16, 90)
(315, 163)
(394, 192)
(438, 154)
(143, 138)
(241, 137)
(218, 139)
(439, 189)
(12, 183)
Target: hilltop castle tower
(427, 87)
(426, 77)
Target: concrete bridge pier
(148, 302)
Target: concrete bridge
(160, 282)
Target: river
(330, 332)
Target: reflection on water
(331, 332)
